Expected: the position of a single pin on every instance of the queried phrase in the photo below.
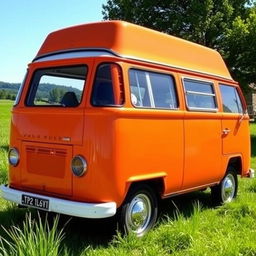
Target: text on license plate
(36, 202)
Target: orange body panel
(124, 144)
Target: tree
(239, 51)
(55, 95)
(2, 94)
(210, 23)
(8, 96)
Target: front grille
(46, 161)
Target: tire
(139, 211)
(226, 190)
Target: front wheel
(139, 212)
(226, 191)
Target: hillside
(9, 86)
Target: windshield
(59, 86)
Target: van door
(235, 127)
(202, 134)
(50, 124)
(156, 129)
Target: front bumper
(73, 208)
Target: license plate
(36, 202)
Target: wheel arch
(236, 163)
(156, 182)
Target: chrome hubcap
(228, 188)
(138, 214)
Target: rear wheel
(226, 191)
(139, 212)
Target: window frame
(34, 90)
(214, 95)
(93, 83)
(150, 91)
(236, 88)
(21, 89)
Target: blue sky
(24, 24)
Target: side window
(200, 95)
(59, 86)
(108, 88)
(230, 99)
(152, 90)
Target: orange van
(111, 117)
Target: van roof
(135, 42)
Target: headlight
(79, 166)
(13, 156)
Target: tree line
(6, 95)
(8, 90)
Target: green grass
(5, 108)
(188, 225)
(34, 238)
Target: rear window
(59, 86)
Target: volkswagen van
(112, 117)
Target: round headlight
(78, 165)
(13, 156)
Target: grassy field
(188, 225)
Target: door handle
(226, 131)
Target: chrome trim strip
(131, 58)
(74, 50)
(201, 93)
(189, 190)
(71, 55)
(203, 109)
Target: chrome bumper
(73, 208)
